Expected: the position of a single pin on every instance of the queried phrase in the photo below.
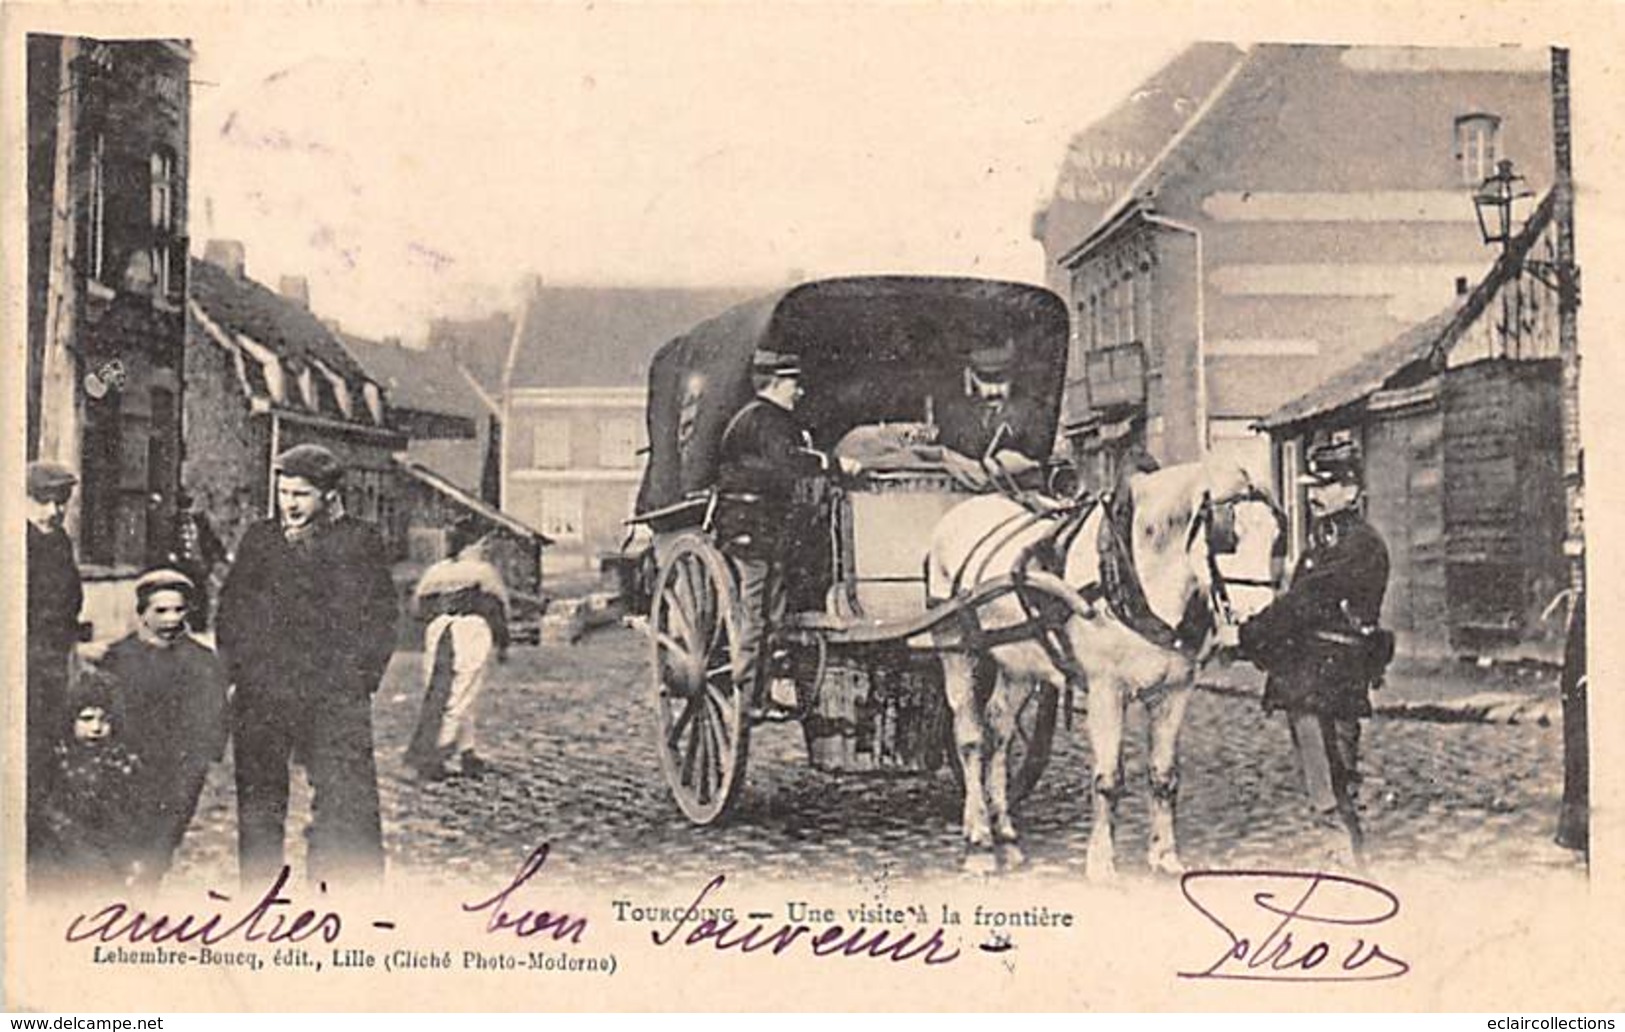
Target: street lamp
(1493, 203)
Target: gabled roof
(479, 347)
(605, 336)
(1349, 118)
(420, 379)
(284, 326)
(1138, 190)
(1102, 159)
(445, 487)
(1427, 341)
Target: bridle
(1204, 522)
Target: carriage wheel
(1028, 752)
(702, 716)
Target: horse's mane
(1166, 499)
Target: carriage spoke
(718, 752)
(684, 719)
(690, 747)
(695, 597)
(683, 625)
(670, 644)
(705, 741)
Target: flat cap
(775, 363)
(311, 462)
(992, 363)
(49, 480)
(1334, 462)
(163, 579)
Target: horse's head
(1209, 530)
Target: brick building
(108, 137)
(1314, 203)
(264, 374)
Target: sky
(414, 164)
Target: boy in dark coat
(171, 696)
(1317, 642)
(306, 626)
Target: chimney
(1461, 286)
(333, 325)
(295, 289)
(229, 255)
(392, 342)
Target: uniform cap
(154, 581)
(49, 480)
(775, 363)
(1336, 462)
(992, 363)
(311, 462)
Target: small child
(92, 805)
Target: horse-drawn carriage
(880, 358)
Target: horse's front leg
(1108, 697)
(1165, 714)
(959, 681)
(1002, 706)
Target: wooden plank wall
(1502, 499)
(1403, 502)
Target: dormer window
(1478, 145)
(374, 400)
(307, 388)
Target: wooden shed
(1460, 421)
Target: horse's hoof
(1011, 857)
(980, 862)
(1167, 863)
(1100, 867)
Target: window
(562, 509)
(165, 222)
(551, 442)
(1477, 146)
(619, 438)
(96, 228)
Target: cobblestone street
(568, 729)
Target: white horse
(987, 538)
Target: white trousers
(471, 657)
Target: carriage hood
(873, 349)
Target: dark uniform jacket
(763, 454)
(1308, 639)
(968, 426)
(313, 615)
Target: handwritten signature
(270, 920)
(1258, 913)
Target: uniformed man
(764, 451)
(55, 596)
(170, 697)
(306, 625)
(1321, 647)
(987, 434)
